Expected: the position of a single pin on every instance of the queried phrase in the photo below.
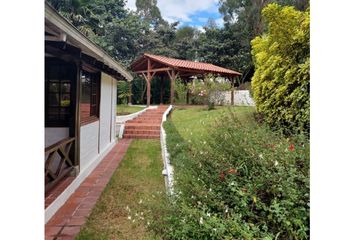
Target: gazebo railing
(58, 162)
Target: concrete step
(143, 126)
(142, 131)
(141, 136)
(144, 121)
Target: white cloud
(219, 22)
(181, 10)
(131, 4)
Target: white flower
(260, 156)
(209, 189)
(201, 220)
(208, 214)
(192, 197)
(226, 210)
(129, 217)
(141, 201)
(275, 163)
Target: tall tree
(149, 11)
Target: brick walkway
(146, 125)
(67, 221)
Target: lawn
(124, 109)
(194, 123)
(126, 205)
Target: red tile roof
(185, 64)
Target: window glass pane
(53, 99)
(65, 87)
(53, 86)
(53, 114)
(85, 95)
(64, 114)
(65, 100)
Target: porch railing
(59, 161)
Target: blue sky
(188, 12)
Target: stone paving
(67, 221)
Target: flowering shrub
(208, 92)
(243, 182)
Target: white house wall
(54, 135)
(113, 109)
(105, 111)
(88, 144)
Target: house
(80, 107)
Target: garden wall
(241, 98)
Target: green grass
(135, 189)
(194, 122)
(124, 109)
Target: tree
(149, 11)
(281, 83)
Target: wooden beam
(155, 70)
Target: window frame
(95, 77)
(59, 122)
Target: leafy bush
(208, 92)
(243, 182)
(180, 92)
(281, 83)
(123, 92)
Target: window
(59, 77)
(89, 102)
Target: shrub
(281, 83)
(123, 92)
(243, 182)
(208, 92)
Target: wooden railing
(59, 161)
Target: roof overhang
(160, 64)
(60, 30)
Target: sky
(188, 12)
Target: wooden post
(130, 92)
(161, 90)
(232, 90)
(172, 91)
(77, 117)
(148, 83)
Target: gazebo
(149, 65)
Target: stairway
(146, 125)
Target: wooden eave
(59, 29)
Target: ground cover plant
(127, 205)
(240, 180)
(125, 109)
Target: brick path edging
(67, 221)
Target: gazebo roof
(162, 63)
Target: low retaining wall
(120, 120)
(168, 168)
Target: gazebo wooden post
(161, 90)
(172, 76)
(232, 90)
(148, 83)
